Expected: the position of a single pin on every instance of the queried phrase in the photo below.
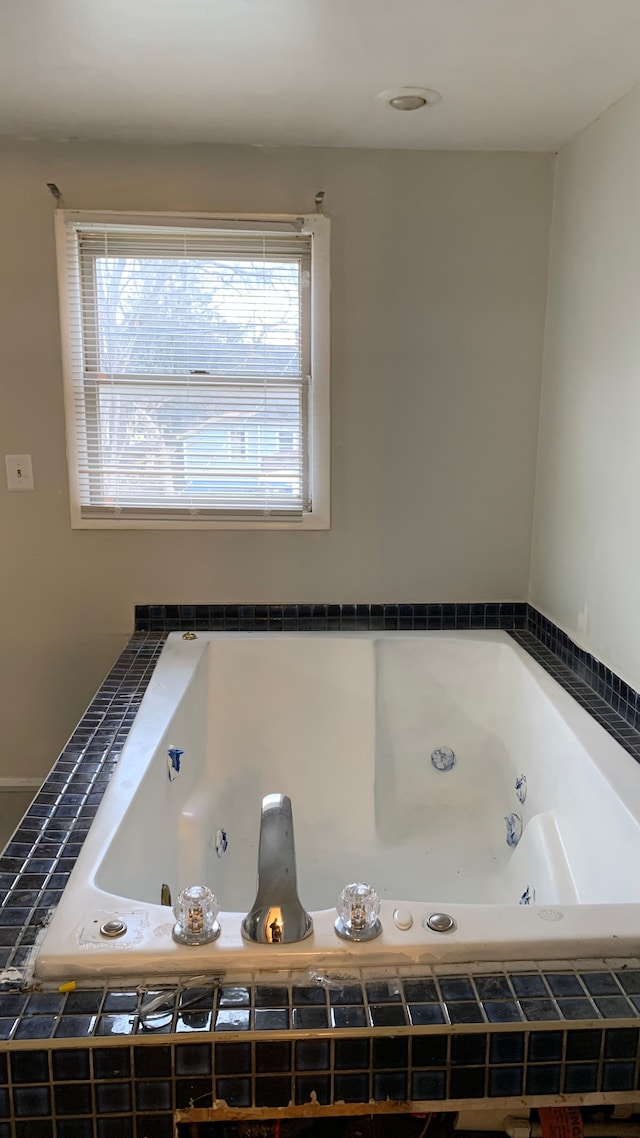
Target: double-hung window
(196, 359)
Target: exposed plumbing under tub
(524, 1128)
(414, 1125)
(602, 1121)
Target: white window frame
(318, 515)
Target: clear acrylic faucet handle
(358, 907)
(196, 914)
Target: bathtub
(530, 841)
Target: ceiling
(513, 74)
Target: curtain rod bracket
(54, 191)
(319, 200)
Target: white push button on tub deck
(402, 919)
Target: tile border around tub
(599, 708)
(133, 1079)
(620, 696)
(417, 1000)
(611, 702)
(330, 617)
(37, 862)
(144, 1076)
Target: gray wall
(439, 272)
(586, 549)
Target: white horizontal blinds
(191, 359)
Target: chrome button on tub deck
(113, 928)
(440, 923)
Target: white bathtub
(345, 724)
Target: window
(286, 440)
(196, 370)
(237, 442)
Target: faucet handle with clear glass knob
(196, 914)
(358, 907)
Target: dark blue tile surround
(92, 1062)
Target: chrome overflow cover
(113, 928)
(440, 923)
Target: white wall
(586, 546)
(439, 270)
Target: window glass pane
(218, 316)
(204, 446)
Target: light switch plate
(19, 471)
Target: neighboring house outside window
(286, 440)
(237, 442)
(196, 370)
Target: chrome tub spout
(277, 915)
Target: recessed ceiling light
(407, 102)
(409, 98)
